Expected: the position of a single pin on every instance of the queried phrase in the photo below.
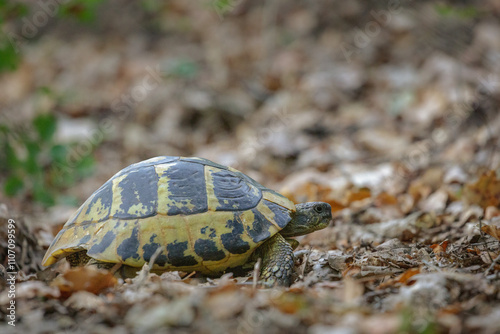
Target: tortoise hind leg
(78, 259)
(277, 261)
(82, 259)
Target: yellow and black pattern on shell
(204, 216)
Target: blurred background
(271, 88)
(317, 99)
(380, 108)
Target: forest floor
(388, 112)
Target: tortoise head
(307, 218)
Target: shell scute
(129, 247)
(135, 194)
(208, 250)
(150, 248)
(102, 245)
(176, 254)
(233, 241)
(183, 189)
(233, 193)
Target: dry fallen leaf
(404, 277)
(160, 313)
(226, 304)
(426, 220)
(31, 289)
(84, 279)
(357, 195)
(485, 192)
(351, 271)
(353, 290)
(83, 300)
(491, 212)
(488, 257)
(436, 202)
(492, 230)
(290, 303)
(439, 249)
(418, 190)
(384, 199)
(336, 206)
(314, 192)
(339, 261)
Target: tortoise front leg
(277, 261)
(293, 243)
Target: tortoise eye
(318, 208)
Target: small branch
(493, 264)
(256, 273)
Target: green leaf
(42, 194)
(45, 90)
(45, 125)
(13, 185)
(12, 162)
(9, 56)
(223, 6)
(184, 69)
(85, 166)
(32, 165)
(83, 10)
(58, 153)
(68, 200)
(61, 175)
(443, 10)
(468, 12)
(151, 6)
(44, 171)
(4, 129)
(11, 43)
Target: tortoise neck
(297, 226)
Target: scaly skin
(78, 259)
(277, 261)
(82, 259)
(293, 243)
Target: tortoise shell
(205, 217)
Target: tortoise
(205, 217)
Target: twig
(303, 269)
(140, 279)
(191, 274)
(256, 273)
(483, 236)
(497, 260)
(115, 268)
(152, 260)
